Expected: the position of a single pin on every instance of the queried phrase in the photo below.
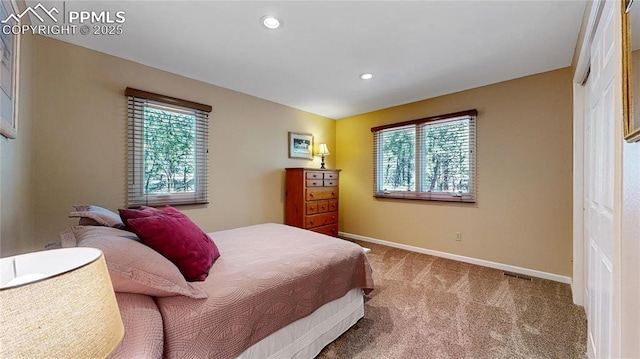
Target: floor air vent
(516, 275)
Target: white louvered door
(599, 185)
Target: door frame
(593, 11)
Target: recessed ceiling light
(366, 76)
(270, 22)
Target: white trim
(456, 257)
(584, 58)
(578, 284)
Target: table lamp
(323, 151)
(58, 304)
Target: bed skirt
(306, 337)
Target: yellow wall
(81, 129)
(74, 135)
(523, 214)
(16, 201)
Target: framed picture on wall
(9, 72)
(301, 145)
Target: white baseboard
(456, 257)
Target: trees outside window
(429, 159)
(167, 150)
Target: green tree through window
(399, 160)
(429, 159)
(447, 157)
(169, 151)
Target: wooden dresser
(312, 199)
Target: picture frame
(630, 73)
(9, 74)
(301, 145)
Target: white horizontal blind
(167, 153)
(428, 159)
(394, 154)
(448, 159)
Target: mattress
(267, 277)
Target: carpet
(429, 307)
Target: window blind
(167, 150)
(448, 159)
(394, 154)
(429, 159)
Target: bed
(275, 292)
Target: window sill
(166, 203)
(427, 197)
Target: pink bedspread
(267, 276)
(143, 337)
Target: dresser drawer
(330, 183)
(331, 175)
(315, 183)
(321, 219)
(321, 193)
(312, 207)
(315, 175)
(330, 230)
(322, 206)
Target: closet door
(599, 179)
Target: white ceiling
(415, 49)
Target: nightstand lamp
(323, 151)
(58, 304)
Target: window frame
(137, 102)
(419, 157)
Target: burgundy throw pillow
(175, 236)
(142, 211)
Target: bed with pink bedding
(275, 291)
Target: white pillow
(92, 215)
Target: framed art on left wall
(301, 145)
(9, 71)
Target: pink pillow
(133, 267)
(175, 236)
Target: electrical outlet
(458, 236)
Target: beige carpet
(429, 307)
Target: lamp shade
(58, 304)
(323, 150)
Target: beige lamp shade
(323, 150)
(58, 304)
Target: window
(429, 159)
(167, 150)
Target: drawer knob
(310, 194)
